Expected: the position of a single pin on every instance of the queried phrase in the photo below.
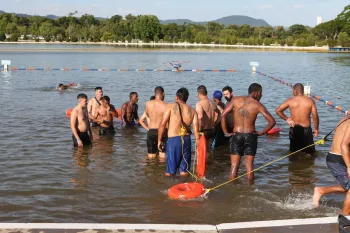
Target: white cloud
(298, 5)
(265, 6)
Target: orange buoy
(274, 130)
(68, 112)
(201, 156)
(186, 191)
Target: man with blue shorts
(338, 161)
(178, 117)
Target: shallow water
(44, 179)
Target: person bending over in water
(104, 117)
(179, 116)
(206, 110)
(130, 116)
(338, 161)
(79, 123)
(301, 107)
(244, 139)
(94, 103)
(154, 113)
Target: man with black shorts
(79, 123)
(300, 132)
(104, 117)
(154, 113)
(338, 161)
(244, 139)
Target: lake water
(44, 179)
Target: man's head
(82, 99)
(134, 97)
(159, 92)
(298, 89)
(227, 91)
(217, 96)
(202, 91)
(105, 101)
(255, 91)
(61, 86)
(98, 92)
(182, 94)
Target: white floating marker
(307, 89)
(6, 64)
(254, 64)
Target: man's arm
(89, 109)
(73, 122)
(88, 126)
(217, 110)
(280, 112)
(226, 111)
(195, 126)
(315, 118)
(136, 113)
(124, 114)
(271, 121)
(163, 124)
(142, 121)
(113, 111)
(345, 148)
(199, 111)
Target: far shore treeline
(147, 28)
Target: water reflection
(301, 171)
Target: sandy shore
(122, 47)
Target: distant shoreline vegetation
(148, 29)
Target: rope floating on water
(329, 103)
(124, 70)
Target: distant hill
(233, 19)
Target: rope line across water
(329, 103)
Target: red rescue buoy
(186, 191)
(274, 130)
(68, 112)
(201, 154)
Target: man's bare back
(173, 112)
(206, 110)
(343, 126)
(154, 111)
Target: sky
(274, 12)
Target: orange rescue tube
(68, 112)
(274, 130)
(201, 156)
(186, 191)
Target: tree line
(147, 28)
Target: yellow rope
(319, 142)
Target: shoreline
(119, 47)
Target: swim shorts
(208, 133)
(107, 131)
(244, 144)
(152, 141)
(338, 168)
(301, 137)
(174, 158)
(84, 137)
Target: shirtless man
(180, 117)
(94, 103)
(244, 139)
(104, 117)
(338, 161)
(154, 112)
(129, 110)
(206, 110)
(79, 123)
(301, 107)
(228, 94)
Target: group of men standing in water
(170, 125)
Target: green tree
(234, 40)
(14, 37)
(290, 41)
(297, 29)
(2, 36)
(331, 43)
(311, 40)
(156, 39)
(45, 29)
(74, 39)
(146, 27)
(47, 38)
(60, 37)
(202, 37)
(245, 31)
(344, 39)
(267, 41)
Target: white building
(319, 20)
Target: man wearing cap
(219, 137)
